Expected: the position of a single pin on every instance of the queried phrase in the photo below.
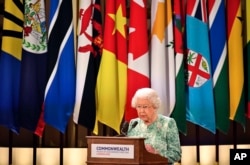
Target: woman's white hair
(146, 93)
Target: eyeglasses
(142, 107)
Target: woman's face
(145, 110)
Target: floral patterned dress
(162, 135)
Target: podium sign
(112, 151)
(103, 150)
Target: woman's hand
(150, 149)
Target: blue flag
(219, 60)
(200, 103)
(33, 64)
(60, 89)
(10, 64)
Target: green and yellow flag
(235, 57)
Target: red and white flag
(138, 56)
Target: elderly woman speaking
(160, 132)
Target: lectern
(103, 150)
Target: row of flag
(37, 66)
(191, 52)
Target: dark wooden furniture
(140, 157)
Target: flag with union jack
(200, 103)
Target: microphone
(124, 129)
(134, 124)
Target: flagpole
(217, 147)
(34, 148)
(89, 132)
(76, 135)
(61, 147)
(235, 134)
(181, 137)
(197, 144)
(66, 137)
(10, 146)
